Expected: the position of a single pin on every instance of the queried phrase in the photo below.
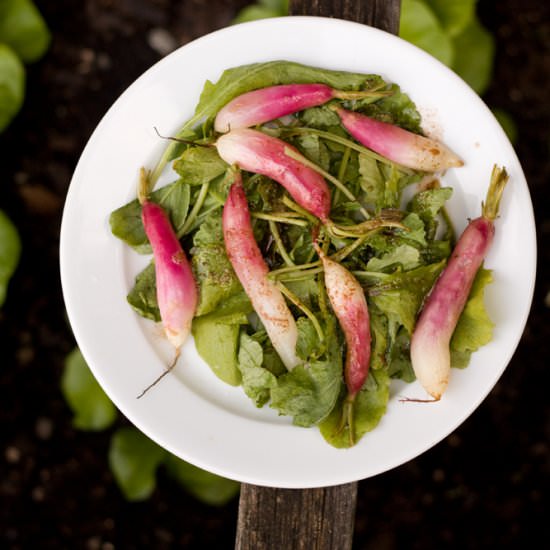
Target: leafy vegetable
(475, 62)
(24, 37)
(12, 85)
(23, 29)
(475, 328)
(262, 10)
(91, 407)
(370, 406)
(454, 15)
(222, 357)
(134, 460)
(10, 250)
(397, 254)
(207, 487)
(420, 26)
(215, 276)
(126, 221)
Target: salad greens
(396, 266)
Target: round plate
(192, 413)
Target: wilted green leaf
(134, 460)
(12, 85)
(205, 486)
(91, 407)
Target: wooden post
(310, 519)
(383, 14)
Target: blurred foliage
(134, 459)
(92, 409)
(263, 9)
(24, 38)
(10, 250)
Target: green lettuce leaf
(23, 29)
(205, 486)
(199, 165)
(222, 356)
(213, 271)
(92, 409)
(474, 328)
(420, 26)
(475, 47)
(369, 407)
(309, 392)
(256, 380)
(400, 295)
(263, 9)
(404, 256)
(134, 459)
(126, 221)
(454, 15)
(143, 296)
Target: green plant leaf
(205, 486)
(10, 251)
(91, 407)
(262, 10)
(454, 15)
(368, 408)
(23, 28)
(222, 357)
(134, 459)
(474, 328)
(475, 50)
(12, 85)
(507, 122)
(126, 223)
(143, 296)
(420, 26)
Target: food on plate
(313, 249)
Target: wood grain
(383, 14)
(309, 519)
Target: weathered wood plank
(310, 519)
(383, 14)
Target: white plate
(192, 413)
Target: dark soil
(481, 487)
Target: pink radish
(176, 288)
(257, 152)
(265, 104)
(430, 354)
(398, 145)
(350, 307)
(252, 271)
